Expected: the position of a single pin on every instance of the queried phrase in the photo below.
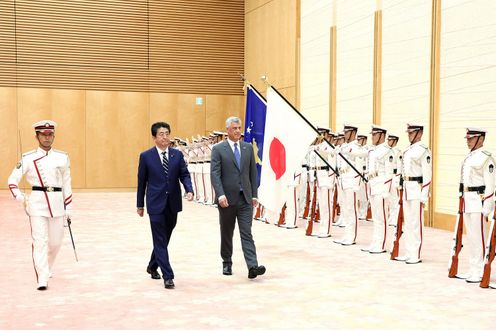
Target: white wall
(355, 61)
(468, 73)
(406, 29)
(468, 88)
(316, 16)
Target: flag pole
(315, 129)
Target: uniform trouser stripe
(295, 213)
(355, 213)
(385, 222)
(482, 232)
(421, 219)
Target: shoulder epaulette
(486, 152)
(423, 146)
(60, 151)
(29, 152)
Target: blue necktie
(237, 155)
(165, 162)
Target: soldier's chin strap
(475, 145)
(415, 137)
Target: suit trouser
(47, 234)
(227, 220)
(413, 215)
(476, 235)
(162, 226)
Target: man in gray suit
(234, 177)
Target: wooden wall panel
(67, 109)
(196, 44)
(114, 137)
(251, 5)
(175, 46)
(270, 44)
(180, 111)
(7, 43)
(219, 108)
(9, 148)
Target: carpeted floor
(311, 283)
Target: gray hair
(231, 120)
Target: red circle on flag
(277, 156)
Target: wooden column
(332, 69)
(377, 81)
(434, 101)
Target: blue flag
(256, 110)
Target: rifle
(369, 212)
(456, 245)
(313, 209)
(282, 216)
(490, 252)
(258, 212)
(334, 204)
(307, 198)
(399, 224)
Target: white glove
(68, 213)
(487, 208)
(21, 197)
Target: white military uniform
(394, 206)
(363, 194)
(200, 198)
(350, 184)
(380, 175)
(325, 187)
(49, 173)
(417, 176)
(478, 184)
(209, 190)
(292, 205)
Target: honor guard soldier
(48, 171)
(350, 182)
(417, 175)
(380, 173)
(339, 142)
(325, 183)
(478, 192)
(394, 206)
(363, 196)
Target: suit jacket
(227, 178)
(159, 189)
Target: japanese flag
(286, 141)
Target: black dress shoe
(153, 273)
(227, 270)
(169, 284)
(256, 271)
(42, 287)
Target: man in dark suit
(159, 172)
(234, 178)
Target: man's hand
(189, 196)
(223, 202)
(21, 198)
(254, 202)
(140, 211)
